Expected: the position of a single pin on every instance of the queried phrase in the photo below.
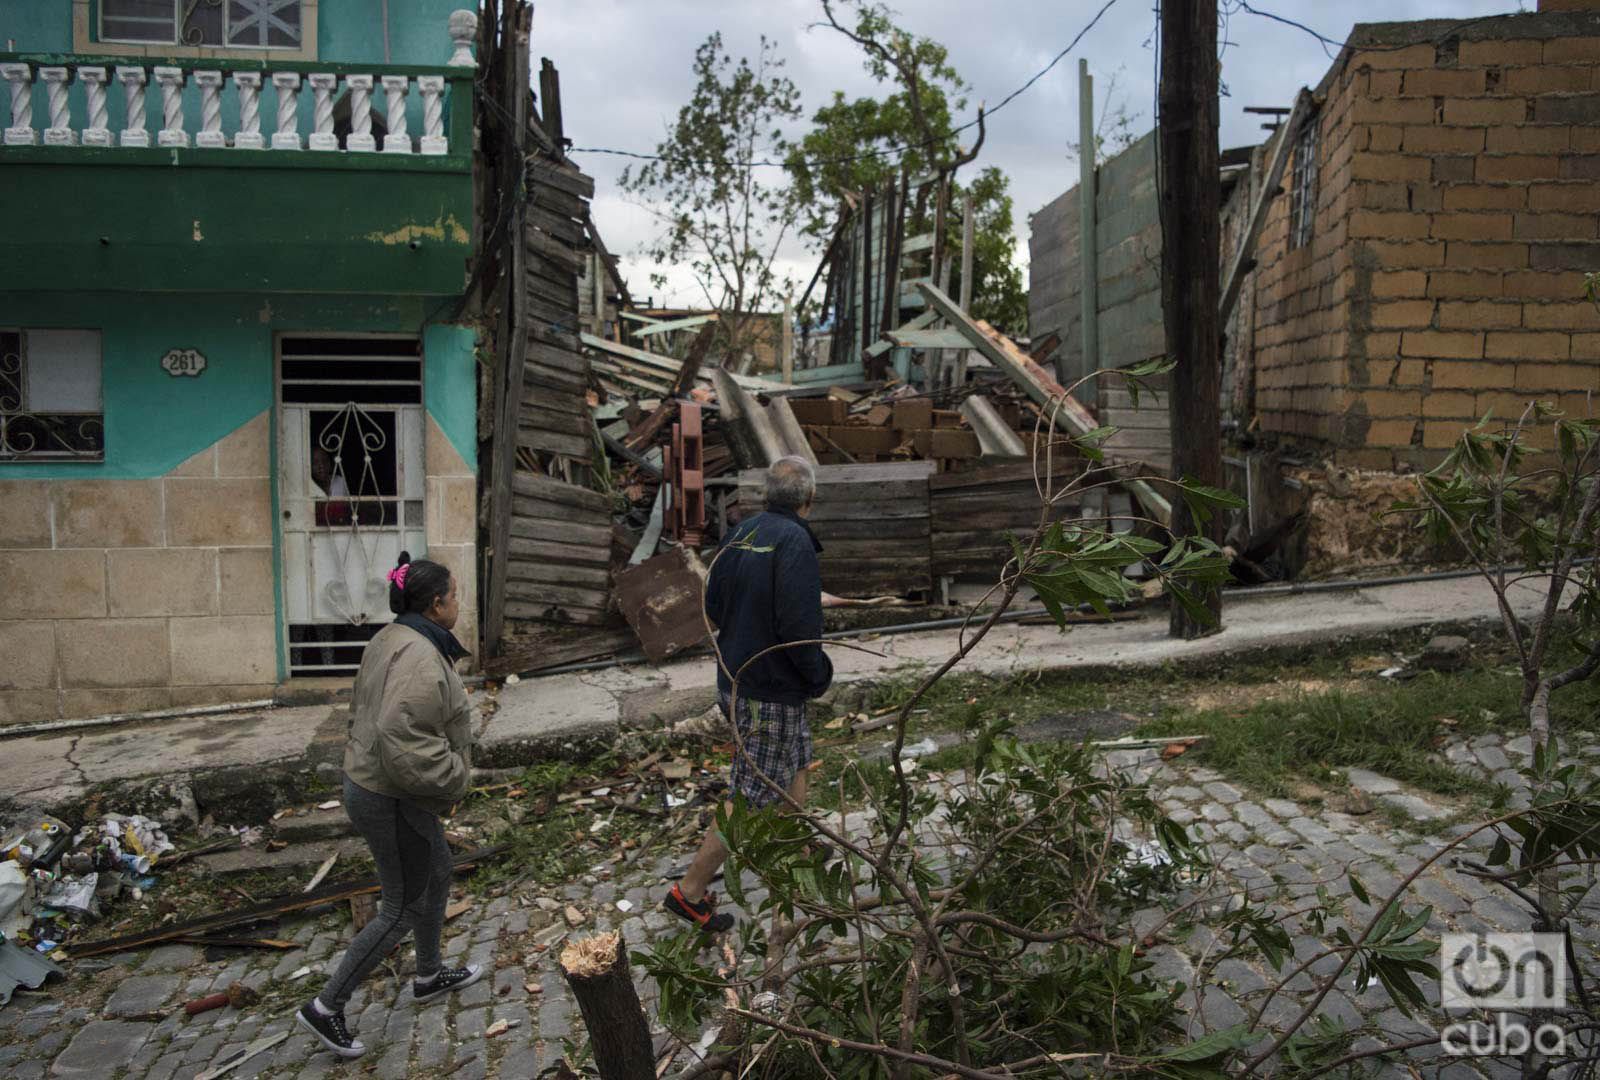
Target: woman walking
(407, 762)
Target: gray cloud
(625, 71)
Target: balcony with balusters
(239, 175)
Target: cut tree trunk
(596, 968)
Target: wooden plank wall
(1144, 429)
(974, 511)
(873, 522)
(560, 551)
(559, 568)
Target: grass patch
(1392, 728)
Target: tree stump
(596, 968)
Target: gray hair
(791, 482)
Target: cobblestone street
(125, 1014)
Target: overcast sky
(625, 72)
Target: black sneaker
(701, 913)
(447, 980)
(331, 1030)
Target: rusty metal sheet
(660, 598)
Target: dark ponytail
(414, 586)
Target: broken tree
(597, 970)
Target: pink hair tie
(398, 576)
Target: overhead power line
(886, 151)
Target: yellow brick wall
(1473, 210)
(1301, 335)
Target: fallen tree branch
(266, 909)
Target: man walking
(765, 590)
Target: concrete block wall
(1472, 210)
(1128, 236)
(132, 595)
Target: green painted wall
(200, 220)
(450, 386)
(154, 421)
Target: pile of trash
(53, 880)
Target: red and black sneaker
(701, 913)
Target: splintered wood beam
(929, 339)
(1037, 383)
(676, 324)
(1245, 256)
(649, 359)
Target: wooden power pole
(1191, 250)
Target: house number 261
(184, 362)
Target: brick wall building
(1429, 267)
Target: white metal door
(351, 488)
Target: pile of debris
(55, 881)
(919, 483)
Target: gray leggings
(413, 860)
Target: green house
(237, 371)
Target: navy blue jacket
(766, 589)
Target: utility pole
(1088, 242)
(1191, 249)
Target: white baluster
(248, 83)
(433, 140)
(360, 137)
(59, 133)
(398, 140)
(97, 131)
(134, 132)
(463, 28)
(287, 137)
(21, 132)
(322, 136)
(170, 79)
(210, 133)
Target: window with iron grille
(50, 396)
(1303, 189)
(239, 24)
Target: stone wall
(132, 595)
(1461, 206)
(136, 595)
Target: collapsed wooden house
(633, 434)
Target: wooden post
(1191, 243)
(869, 333)
(1088, 242)
(939, 271)
(787, 340)
(513, 333)
(967, 229)
(596, 968)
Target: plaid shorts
(778, 744)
